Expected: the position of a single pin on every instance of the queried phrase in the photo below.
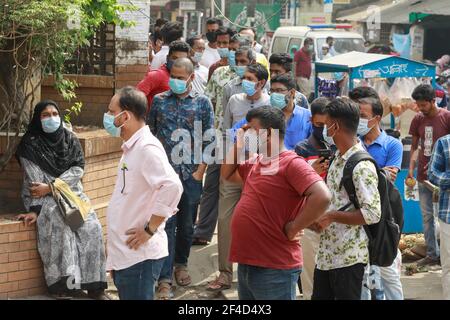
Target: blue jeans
(138, 281)
(180, 229)
(429, 228)
(257, 283)
(167, 269)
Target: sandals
(165, 291)
(199, 242)
(219, 284)
(182, 276)
(61, 296)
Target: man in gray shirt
(253, 96)
(253, 82)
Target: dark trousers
(180, 229)
(338, 284)
(209, 204)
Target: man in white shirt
(142, 200)
(171, 31)
(211, 54)
(197, 45)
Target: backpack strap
(347, 178)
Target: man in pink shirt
(142, 200)
(157, 81)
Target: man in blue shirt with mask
(387, 152)
(298, 120)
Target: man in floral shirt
(343, 249)
(214, 91)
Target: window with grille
(96, 58)
(285, 12)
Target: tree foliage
(36, 38)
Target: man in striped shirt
(439, 174)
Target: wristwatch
(147, 229)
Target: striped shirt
(439, 174)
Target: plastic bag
(382, 88)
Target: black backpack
(384, 236)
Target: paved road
(203, 266)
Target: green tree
(36, 38)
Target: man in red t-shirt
(282, 195)
(303, 66)
(157, 81)
(427, 127)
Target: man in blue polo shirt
(298, 119)
(387, 152)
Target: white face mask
(328, 140)
(363, 127)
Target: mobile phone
(325, 153)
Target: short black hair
(160, 22)
(424, 92)
(214, 21)
(171, 31)
(319, 105)
(377, 107)
(179, 46)
(368, 95)
(284, 79)
(283, 59)
(269, 117)
(191, 40)
(223, 31)
(346, 112)
(156, 36)
(329, 38)
(259, 71)
(133, 100)
(309, 40)
(363, 92)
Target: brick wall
(129, 75)
(21, 272)
(93, 91)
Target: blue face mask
(249, 87)
(240, 70)
(363, 127)
(197, 57)
(232, 59)
(110, 127)
(223, 52)
(278, 100)
(50, 125)
(177, 86)
(328, 140)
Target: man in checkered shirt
(439, 174)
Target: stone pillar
(132, 45)
(417, 40)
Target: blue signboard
(392, 68)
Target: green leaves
(75, 109)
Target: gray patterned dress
(74, 260)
